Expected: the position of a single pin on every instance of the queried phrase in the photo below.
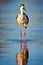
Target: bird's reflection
(22, 57)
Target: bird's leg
(20, 40)
(25, 39)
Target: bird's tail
(25, 26)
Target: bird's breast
(21, 20)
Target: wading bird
(23, 20)
(22, 17)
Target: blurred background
(10, 31)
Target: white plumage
(22, 17)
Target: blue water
(8, 53)
(10, 32)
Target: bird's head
(22, 7)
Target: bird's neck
(21, 12)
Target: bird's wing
(26, 18)
(16, 16)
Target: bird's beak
(24, 9)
